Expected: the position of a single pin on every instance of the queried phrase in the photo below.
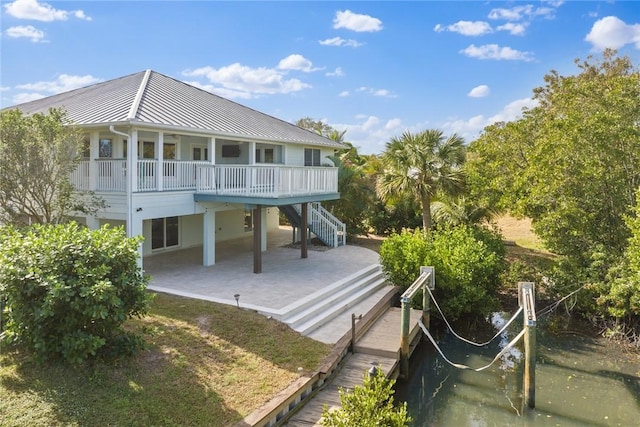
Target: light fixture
(373, 370)
(237, 297)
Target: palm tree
(460, 210)
(422, 165)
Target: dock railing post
(404, 337)
(426, 300)
(526, 299)
(426, 273)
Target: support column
(160, 161)
(209, 238)
(135, 229)
(303, 230)
(426, 299)
(94, 153)
(263, 228)
(257, 239)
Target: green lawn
(206, 364)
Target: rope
(506, 325)
(548, 309)
(460, 366)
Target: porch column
(252, 153)
(132, 161)
(211, 143)
(94, 153)
(159, 167)
(134, 228)
(257, 239)
(303, 230)
(209, 238)
(263, 228)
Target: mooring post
(353, 331)
(526, 299)
(404, 337)
(426, 300)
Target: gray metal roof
(154, 99)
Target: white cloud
(611, 32)
(513, 29)
(339, 41)
(63, 83)
(479, 91)
(519, 13)
(21, 98)
(466, 28)
(296, 62)
(493, 51)
(370, 133)
(338, 72)
(385, 93)
(240, 81)
(471, 128)
(356, 22)
(32, 9)
(25, 31)
(344, 93)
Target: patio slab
(285, 277)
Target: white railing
(325, 225)
(266, 181)
(80, 177)
(110, 175)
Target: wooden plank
(351, 374)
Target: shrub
(368, 405)
(468, 261)
(69, 290)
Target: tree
(422, 165)
(321, 128)
(572, 164)
(368, 405)
(69, 289)
(38, 153)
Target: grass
(206, 364)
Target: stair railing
(324, 225)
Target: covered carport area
(258, 206)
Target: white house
(206, 169)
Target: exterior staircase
(327, 228)
(321, 307)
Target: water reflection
(580, 381)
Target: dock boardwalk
(379, 346)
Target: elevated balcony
(260, 181)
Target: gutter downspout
(130, 168)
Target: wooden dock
(379, 346)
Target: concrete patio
(286, 278)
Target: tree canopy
(422, 165)
(38, 153)
(571, 164)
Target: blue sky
(375, 69)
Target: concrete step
(334, 300)
(308, 301)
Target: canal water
(581, 380)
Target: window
(148, 150)
(105, 148)
(164, 232)
(312, 157)
(200, 153)
(124, 148)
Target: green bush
(69, 290)
(468, 261)
(368, 405)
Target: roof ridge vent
(138, 98)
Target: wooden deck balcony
(110, 175)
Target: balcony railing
(266, 181)
(110, 175)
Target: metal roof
(153, 99)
